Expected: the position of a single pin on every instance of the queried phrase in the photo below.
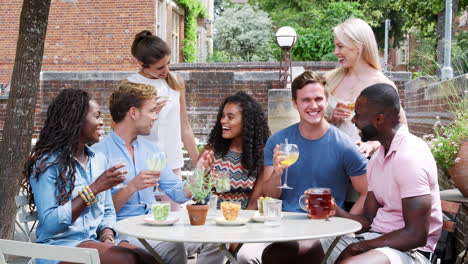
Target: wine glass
(291, 153)
(119, 161)
(156, 162)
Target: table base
(231, 257)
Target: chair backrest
(24, 216)
(445, 249)
(450, 210)
(33, 250)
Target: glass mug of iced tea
(319, 202)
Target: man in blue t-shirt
(327, 157)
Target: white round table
(294, 226)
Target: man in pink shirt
(402, 217)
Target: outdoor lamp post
(285, 38)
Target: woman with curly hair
(238, 139)
(69, 185)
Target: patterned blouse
(241, 184)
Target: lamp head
(286, 37)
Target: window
(161, 19)
(402, 53)
(175, 37)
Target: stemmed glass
(291, 153)
(119, 161)
(156, 162)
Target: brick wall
(207, 84)
(425, 101)
(88, 35)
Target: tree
(313, 21)
(243, 31)
(17, 131)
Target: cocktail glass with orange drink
(291, 154)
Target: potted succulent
(449, 145)
(200, 185)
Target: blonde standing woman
(173, 126)
(356, 49)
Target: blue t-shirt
(325, 162)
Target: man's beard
(368, 132)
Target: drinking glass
(160, 210)
(223, 181)
(119, 161)
(272, 212)
(319, 204)
(213, 204)
(347, 105)
(156, 162)
(230, 210)
(291, 153)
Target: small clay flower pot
(197, 214)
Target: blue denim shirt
(113, 147)
(55, 225)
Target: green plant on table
(200, 185)
(447, 139)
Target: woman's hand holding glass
(120, 166)
(342, 111)
(111, 177)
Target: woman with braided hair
(69, 185)
(238, 139)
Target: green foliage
(447, 140)
(200, 185)
(460, 53)
(424, 61)
(313, 22)
(315, 41)
(243, 33)
(302, 15)
(194, 9)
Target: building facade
(96, 35)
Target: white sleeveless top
(166, 131)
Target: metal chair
(445, 249)
(25, 217)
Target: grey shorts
(395, 256)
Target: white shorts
(395, 256)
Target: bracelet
(103, 237)
(88, 196)
(91, 194)
(84, 198)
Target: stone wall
(426, 102)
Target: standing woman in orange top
(358, 56)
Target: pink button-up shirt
(408, 170)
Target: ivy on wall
(193, 9)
